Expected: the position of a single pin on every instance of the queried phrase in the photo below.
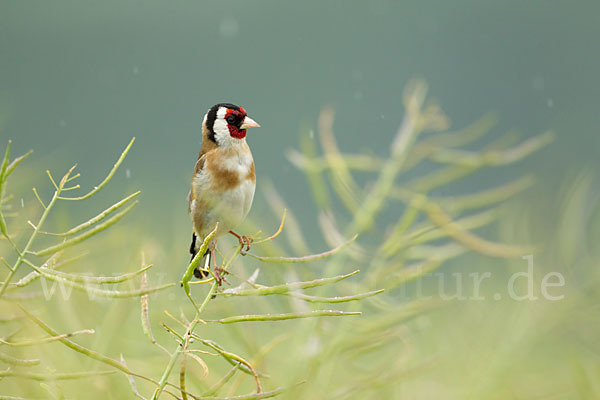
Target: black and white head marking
(220, 119)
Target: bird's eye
(230, 119)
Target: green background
(78, 79)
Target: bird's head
(226, 124)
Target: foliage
(404, 232)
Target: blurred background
(79, 79)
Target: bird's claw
(219, 272)
(244, 240)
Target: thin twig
(304, 259)
(107, 179)
(281, 317)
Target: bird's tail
(199, 273)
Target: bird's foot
(244, 240)
(219, 276)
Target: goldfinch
(224, 180)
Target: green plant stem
(304, 259)
(5, 358)
(281, 317)
(163, 380)
(215, 388)
(342, 299)
(405, 138)
(102, 292)
(93, 279)
(34, 275)
(37, 342)
(108, 177)
(180, 347)
(289, 287)
(194, 263)
(251, 396)
(84, 236)
(51, 377)
(80, 349)
(36, 230)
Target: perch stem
(21, 257)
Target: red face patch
(236, 132)
(234, 120)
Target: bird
(223, 182)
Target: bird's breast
(224, 189)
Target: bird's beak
(249, 123)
